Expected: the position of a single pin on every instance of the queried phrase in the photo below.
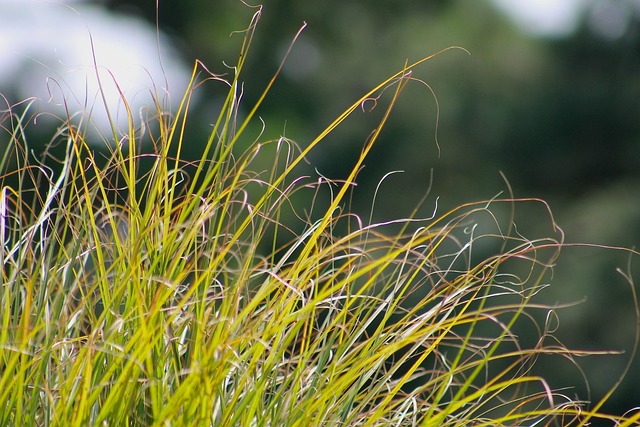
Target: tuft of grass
(184, 293)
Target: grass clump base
(163, 294)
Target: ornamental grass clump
(147, 290)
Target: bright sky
(544, 17)
(45, 52)
(609, 19)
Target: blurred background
(549, 97)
